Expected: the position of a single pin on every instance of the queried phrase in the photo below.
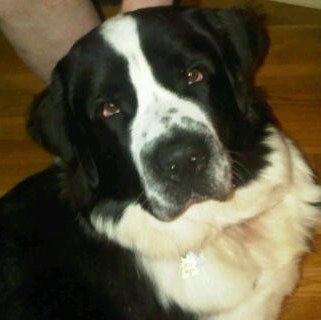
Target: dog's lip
(193, 200)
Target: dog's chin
(174, 210)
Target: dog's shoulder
(32, 205)
(35, 226)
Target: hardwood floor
(291, 76)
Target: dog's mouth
(173, 210)
(174, 204)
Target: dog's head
(159, 106)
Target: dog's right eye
(194, 75)
(107, 109)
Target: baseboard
(305, 3)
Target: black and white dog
(176, 195)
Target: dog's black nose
(182, 159)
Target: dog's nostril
(186, 167)
(173, 167)
(182, 161)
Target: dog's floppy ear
(47, 123)
(245, 28)
(240, 39)
(52, 124)
(246, 33)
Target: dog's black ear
(47, 123)
(239, 34)
(52, 124)
(240, 39)
(245, 29)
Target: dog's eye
(107, 109)
(194, 75)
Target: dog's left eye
(107, 109)
(194, 75)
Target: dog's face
(159, 107)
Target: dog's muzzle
(183, 169)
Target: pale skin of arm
(42, 31)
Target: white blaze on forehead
(158, 109)
(154, 101)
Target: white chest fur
(215, 283)
(250, 244)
